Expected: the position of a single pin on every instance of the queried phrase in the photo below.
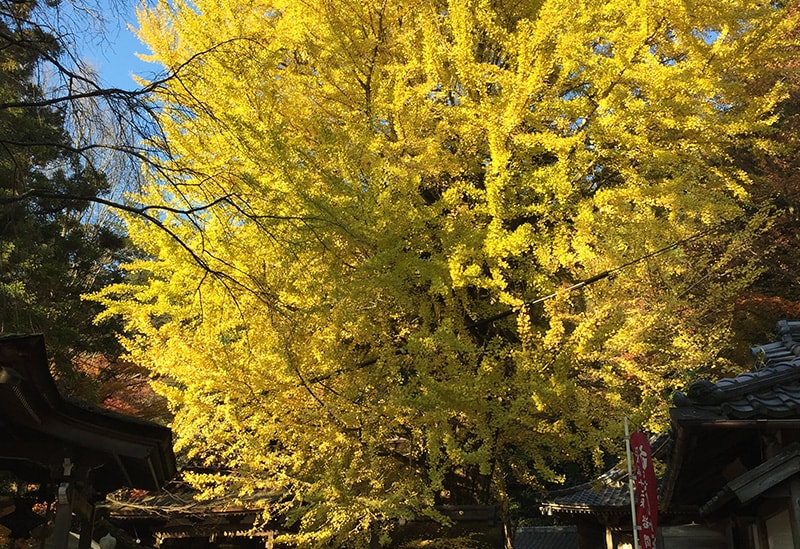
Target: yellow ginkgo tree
(360, 204)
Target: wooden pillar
(71, 501)
(794, 507)
(85, 512)
(63, 516)
(590, 534)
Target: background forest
(380, 257)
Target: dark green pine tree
(54, 246)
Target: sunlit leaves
(372, 183)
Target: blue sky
(115, 56)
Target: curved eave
(42, 427)
(586, 509)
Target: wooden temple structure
(174, 519)
(732, 457)
(81, 453)
(731, 476)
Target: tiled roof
(546, 537)
(608, 492)
(770, 391)
(179, 499)
(785, 350)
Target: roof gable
(41, 429)
(770, 391)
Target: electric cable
(593, 279)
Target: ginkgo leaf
(370, 188)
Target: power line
(593, 279)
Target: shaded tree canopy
(69, 147)
(367, 188)
(52, 249)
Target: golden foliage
(365, 182)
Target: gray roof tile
(771, 390)
(608, 492)
(546, 537)
(786, 349)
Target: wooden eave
(757, 480)
(40, 428)
(702, 452)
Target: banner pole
(630, 485)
